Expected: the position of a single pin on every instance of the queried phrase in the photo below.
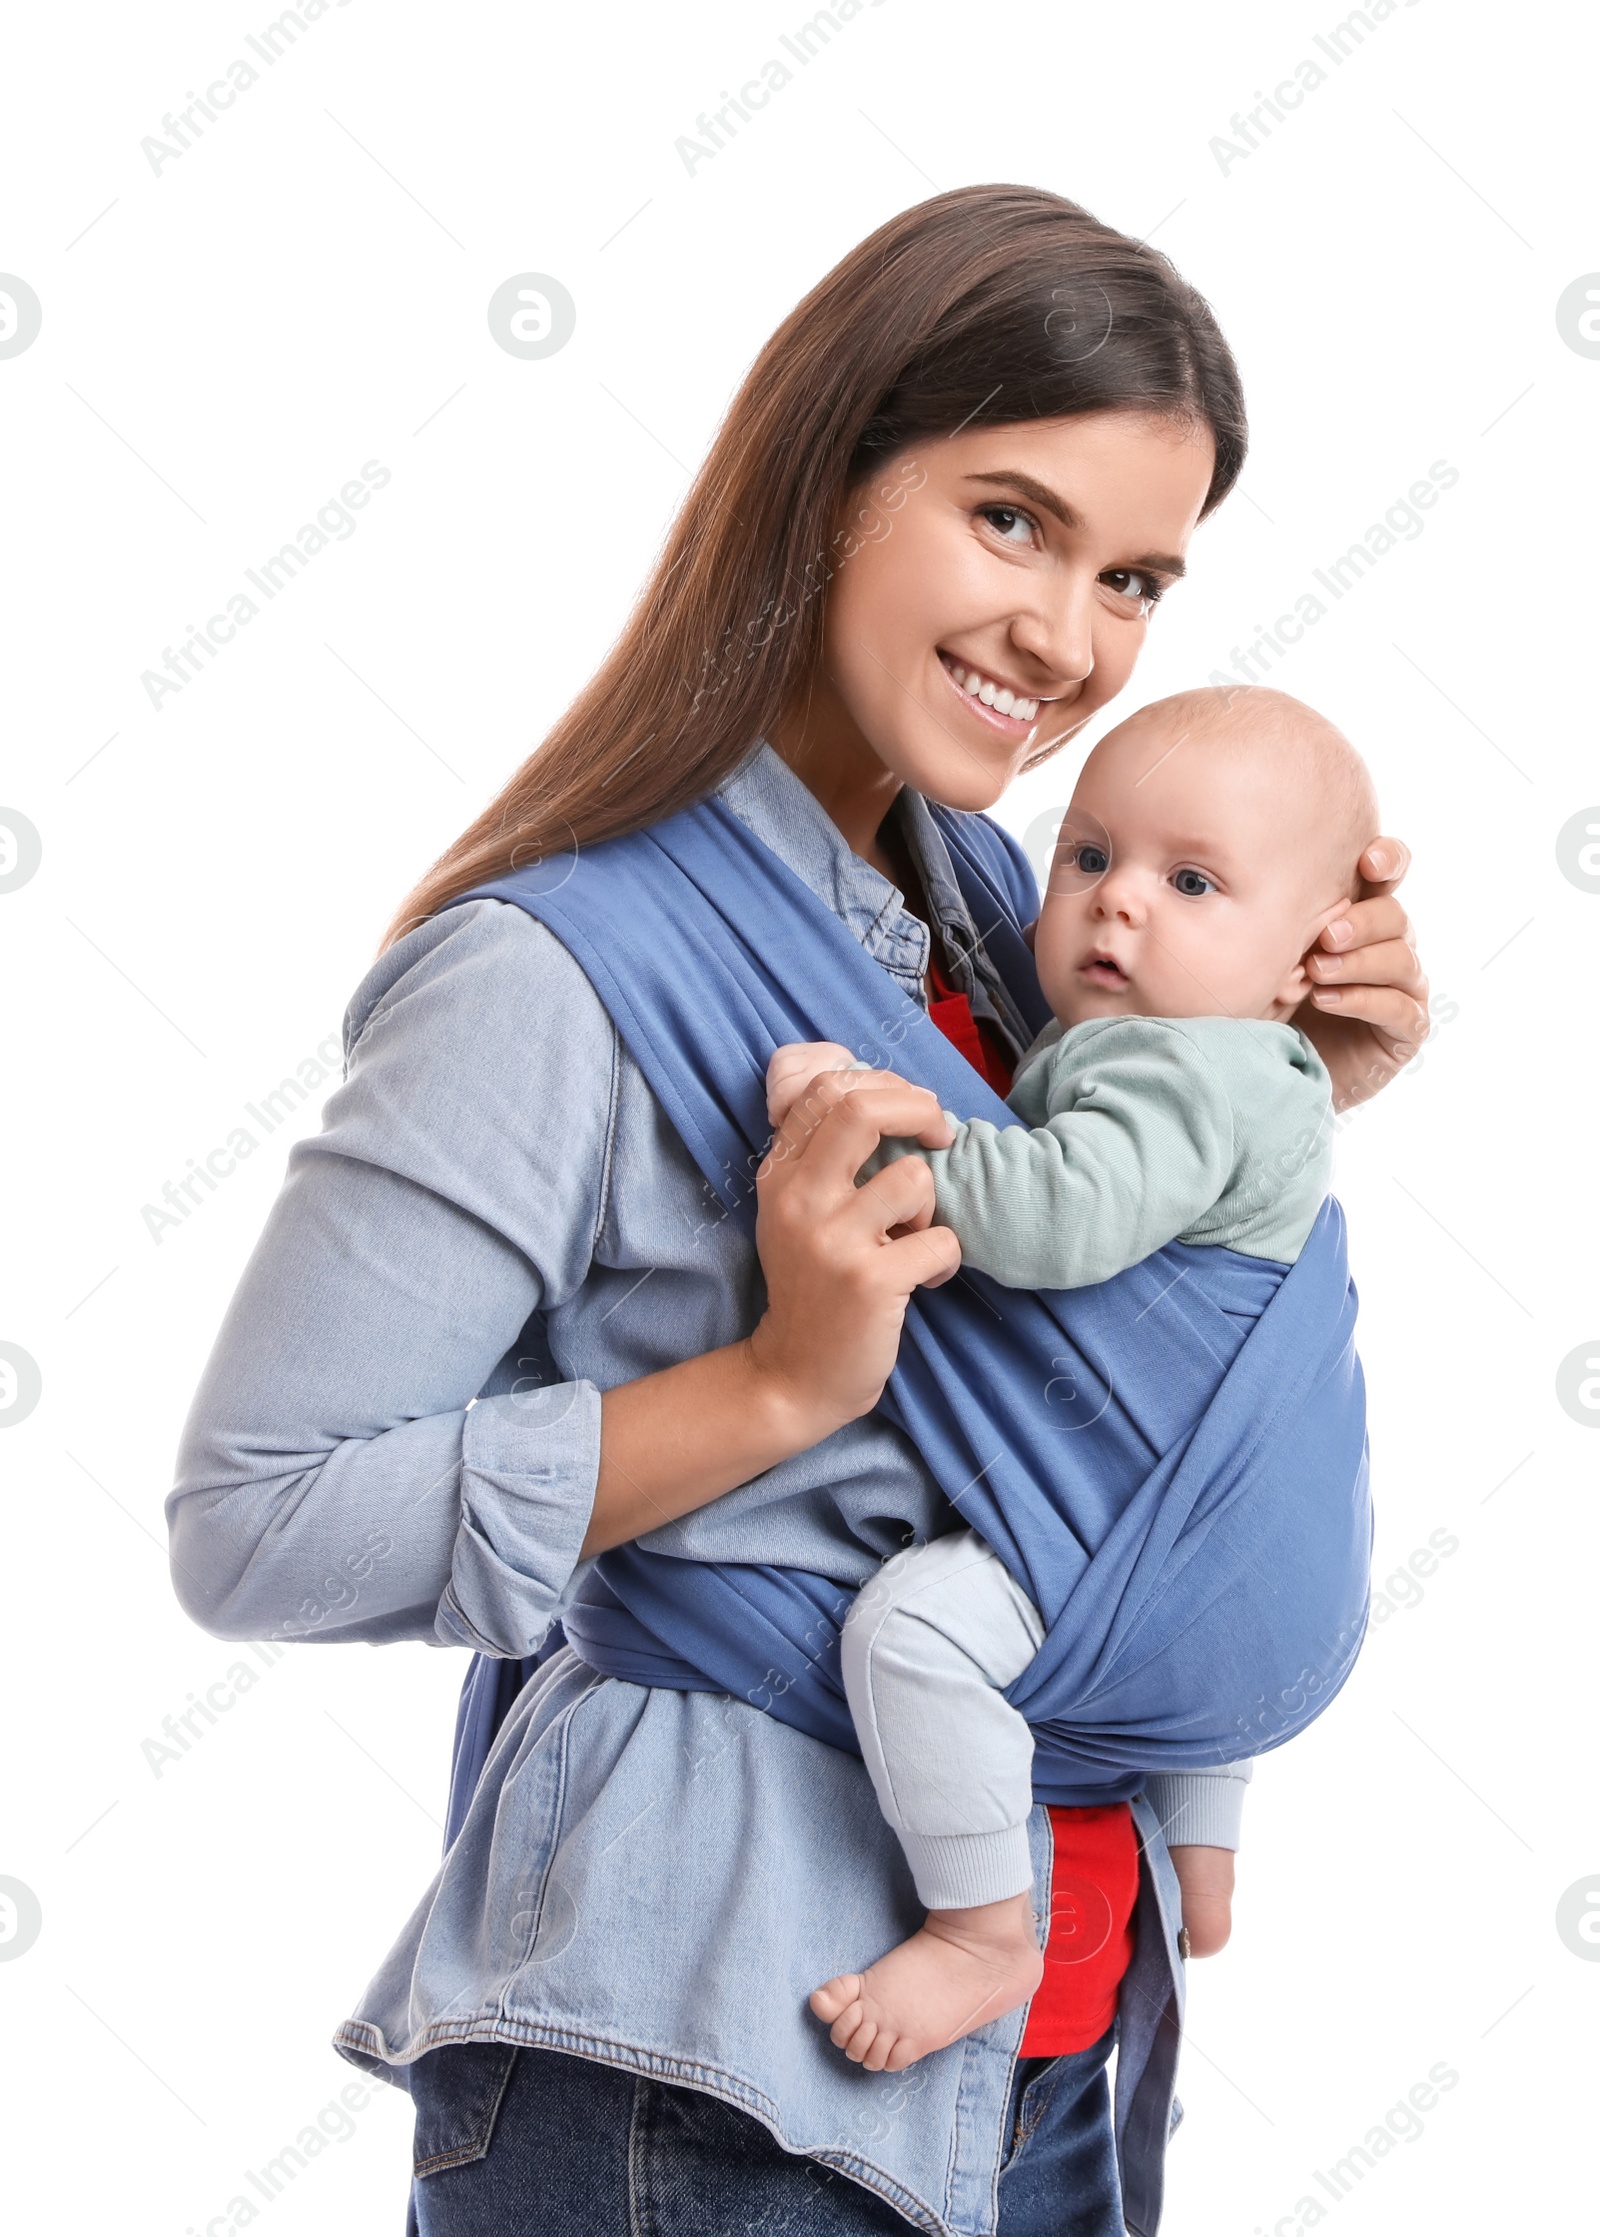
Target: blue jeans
(534, 2143)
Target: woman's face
(1017, 565)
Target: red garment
(1094, 1879)
(1094, 1883)
(980, 1042)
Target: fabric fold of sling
(1173, 1463)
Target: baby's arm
(1136, 1144)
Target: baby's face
(1185, 883)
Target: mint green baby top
(1141, 1132)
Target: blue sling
(1173, 1463)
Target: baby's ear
(1294, 986)
(1297, 982)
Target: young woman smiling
(497, 1318)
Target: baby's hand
(793, 1068)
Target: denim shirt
(397, 1437)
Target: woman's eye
(1142, 590)
(1193, 883)
(1006, 521)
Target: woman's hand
(1367, 1013)
(840, 1264)
(840, 1260)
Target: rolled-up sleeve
(340, 1476)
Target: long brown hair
(988, 305)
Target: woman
(498, 1322)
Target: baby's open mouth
(1104, 970)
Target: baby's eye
(1192, 883)
(1093, 861)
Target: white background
(223, 344)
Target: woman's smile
(1004, 706)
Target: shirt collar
(766, 795)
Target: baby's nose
(1116, 897)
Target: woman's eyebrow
(1038, 493)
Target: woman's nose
(1058, 632)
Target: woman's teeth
(1003, 701)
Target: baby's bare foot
(960, 1970)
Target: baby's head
(1211, 838)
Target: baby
(1211, 839)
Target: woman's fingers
(1365, 968)
(835, 1126)
(1399, 1018)
(1365, 924)
(900, 1195)
(840, 1260)
(925, 1260)
(1378, 963)
(1367, 1012)
(1385, 863)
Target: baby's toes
(857, 2044)
(882, 2052)
(831, 2000)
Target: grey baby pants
(927, 1647)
